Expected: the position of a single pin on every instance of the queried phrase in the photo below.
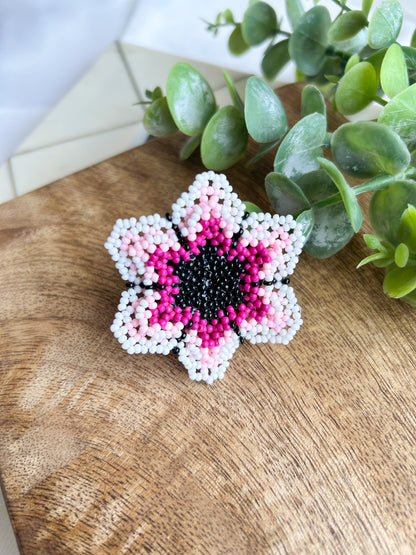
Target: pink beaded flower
(205, 278)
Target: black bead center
(209, 282)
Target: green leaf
(376, 60)
(300, 148)
(410, 57)
(228, 16)
(190, 145)
(265, 116)
(401, 255)
(373, 242)
(347, 193)
(307, 220)
(400, 115)
(400, 281)
(407, 227)
(410, 298)
(312, 100)
(190, 98)
(308, 42)
(157, 119)
(259, 23)
(385, 24)
(251, 207)
(383, 262)
(366, 6)
(353, 45)
(275, 58)
(294, 12)
(352, 61)
(285, 196)
(347, 25)
(235, 97)
(379, 257)
(224, 140)
(393, 74)
(387, 207)
(236, 43)
(332, 227)
(356, 89)
(367, 148)
(413, 39)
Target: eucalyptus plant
(353, 60)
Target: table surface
(305, 448)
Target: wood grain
(308, 448)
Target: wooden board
(308, 448)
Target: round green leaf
(294, 12)
(413, 39)
(265, 116)
(352, 61)
(407, 227)
(224, 140)
(400, 281)
(332, 228)
(356, 88)
(366, 148)
(307, 220)
(347, 194)
(157, 119)
(347, 25)
(366, 6)
(259, 23)
(285, 196)
(308, 42)
(236, 43)
(400, 115)
(410, 298)
(401, 255)
(410, 57)
(300, 148)
(312, 101)
(376, 59)
(275, 58)
(387, 207)
(385, 24)
(190, 98)
(393, 74)
(251, 207)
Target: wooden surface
(308, 448)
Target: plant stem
(380, 100)
(342, 5)
(375, 184)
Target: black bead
(241, 340)
(175, 350)
(272, 282)
(246, 215)
(285, 280)
(168, 217)
(129, 284)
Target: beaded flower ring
(205, 278)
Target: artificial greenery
(353, 60)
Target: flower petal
(139, 324)
(209, 210)
(135, 245)
(207, 363)
(281, 238)
(278, 323)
